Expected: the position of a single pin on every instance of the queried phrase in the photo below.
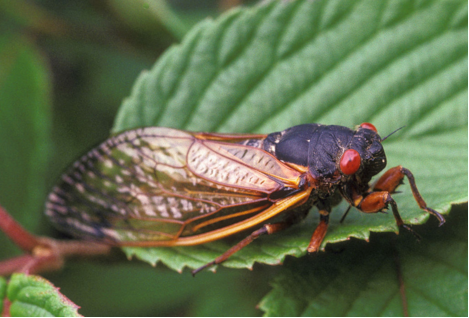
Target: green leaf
(286, 63)
(31, 295)
(3, 292)
(433, 273)
(24, 132)
(145, 16)
(126, 288)
(24, 128)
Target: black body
(320, 148)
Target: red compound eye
(369, 126)
(350, 162)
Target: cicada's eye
(350, 162)
(369, 126)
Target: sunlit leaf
(34, 296)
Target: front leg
(380, 197)
(393, 178)
(378, 201)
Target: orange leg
(266, 229)
(380, 197)
(295, 216)
(320, 232)
(378, 201)
(393, 178)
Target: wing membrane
(157, 184)
(256, 159)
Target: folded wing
(158, 184)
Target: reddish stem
(14, 264)
(49, 246)
(16, 232)
(6, 308)
(43, 254)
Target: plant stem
(42, 253)
(22, 238)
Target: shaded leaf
(126, 288)
(433, 271)
(3, 292)
(24, 131)
(34, 296)
(287, 63)
(145, 16)
(25, 111)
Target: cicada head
(364, 157)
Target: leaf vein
(176, 86)
(233, 59)
(414, 87)
(259, 81)
(432, 301)
(333, 66)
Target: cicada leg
(320, 232)
(325, 208)
(266, 229)
(378, 201)
(294, 217)
(380, 197)
(393, 178)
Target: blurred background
(92, 52)
(65, 67)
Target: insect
(165, 187)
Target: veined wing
(158, 184)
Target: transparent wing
(158, 184)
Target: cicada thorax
(338, 160)
(159, 184)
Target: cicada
(158, 186)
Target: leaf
(125, 288)
(24, 131)
(24, 128)
(433, 271)
(3, 292)
(286, 63)
(31, 295)
(145, 16)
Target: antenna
(382, 139)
